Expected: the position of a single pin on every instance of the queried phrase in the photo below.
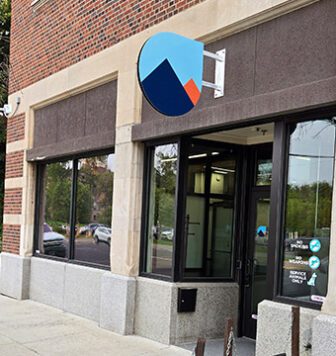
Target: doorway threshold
(215, 347)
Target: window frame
(208, 195)
(277, 213)
(179, 249)
(40, 168)
(281, 164)
(147, 170)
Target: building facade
(165, 227)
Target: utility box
(186, 300)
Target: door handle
(248, 272)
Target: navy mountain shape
(165, 92)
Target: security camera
(6, 110)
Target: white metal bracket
(218, 85)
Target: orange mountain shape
(191, 89)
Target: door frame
(248, 197)
(248, 326)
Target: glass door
(258, 219)
(255, 287)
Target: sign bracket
(218, 85)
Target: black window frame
(40, 168)
(278, 207)
(179, 241)
(208, 195)
(148, 154)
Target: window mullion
(73, 209)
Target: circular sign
(314, 262)
(170, 69)
(315, 245)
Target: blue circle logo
(170, 69)
(315, 245)
(314, 262)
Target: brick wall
(61, 33)
(13, 196)
(13, 201)
(11, 238)
(15, 128)
(14, 164)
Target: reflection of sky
(111, 162)
(168, 151)
(311, 153)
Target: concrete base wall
(324, 335)
(14, 276)
(274, 329)
(156, 315)
(91, 293)
(148, 307)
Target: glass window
(92, 207)
(161, 212)
(209, 212)
(54, 230)
(308, 210)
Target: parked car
(93, 226)
(167, 233)
(102, 234)
(53, 242)
(84, 229)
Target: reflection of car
(67, 230)
(167, 233)
(84, 229)
(93, 226)
(53, 242)
(102, 234)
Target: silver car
(102, 234)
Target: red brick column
(13, 195)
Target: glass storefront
(209, 212)
(161, 212)
(54, 229)
(308, 210)
(75, 209)
(210, 203)
(94, 209)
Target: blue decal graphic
(314, 262)
(315, 245)
(262, 231)
(170, 69)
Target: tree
(5, 16)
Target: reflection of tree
(94, 192)
(58, 188)
(104, 185)
(165, 176)
(301, 205)
(95, 187)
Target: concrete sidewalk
(28, 328)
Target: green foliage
(94, 189)
(58, 188)
(308, 205)
(104, 193)
(5, 15)
(165, 185)
(84, 202)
